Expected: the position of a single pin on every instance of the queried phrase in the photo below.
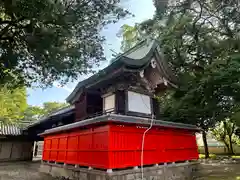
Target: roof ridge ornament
(141, 73)
(153, 63)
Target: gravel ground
(211, 170)
(222, 169)
(22, 171)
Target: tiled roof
(135, 59)
(9, 130)
(122, 119)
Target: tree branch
(11, 23)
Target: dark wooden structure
(139, 71)
(14, 146)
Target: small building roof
(58, 112)
(135, 59)
(121, 119)
(10, 130)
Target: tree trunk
(230, 145)
(204, 137)
(225, 136)
(230, 138)
(227, 146)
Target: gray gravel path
(220, 170)
(22, 171)
(211, 170)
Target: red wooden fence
(113, 146)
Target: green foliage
(200, 41)
(236, 117)
(203, 51)
(33, 113)
(43, 41)
(235, 157)
(212, 156)
(224, 132)
(49, 107)
(12, 104)
(131, 36)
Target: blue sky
(142, 9)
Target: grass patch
(201, 156)
(211, 156)
(236, 157)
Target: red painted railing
(113, 146)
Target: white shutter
(139, 103)
(109, 103)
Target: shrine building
(115, 123)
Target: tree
(49, 107)
(12, 104)
(33, 113)
(131, 36)
(43, 41)
(224, 132)
(200, 41)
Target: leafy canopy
(200, 40)
(12, 104)
(33, 113)
(47, 40)
(14, 107)
(224, 131)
